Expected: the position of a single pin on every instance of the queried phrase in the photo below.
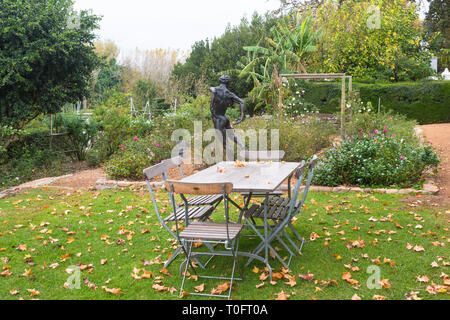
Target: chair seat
(277, 208)
(211, 231)
(193, 213)
(203, 200)
(277, 192)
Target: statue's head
(225, 79)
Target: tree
(437, 25)
(107, 49)
(210, 59)
(108, 78)
(291, 42)
(144, 91)
(46, 58)
(354, 43)
(155, 65)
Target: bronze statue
(221, 100)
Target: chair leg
(173, 257)
(186, 269)
(297, 235)
(232, 275)
(291, 242)
(236, 256)
(286, 247)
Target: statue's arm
(211, 107)
(242, 106)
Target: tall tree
(46, 58)
(378, 39)
(437, 24)
(291, 42)
(210, 59)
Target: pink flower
(122, 146)
(402, 158)
(376, 131)
(156, 144)
(135, 139)
(390, 119)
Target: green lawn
(107, 234)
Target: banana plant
(286, 50)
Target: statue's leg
(234, 138)
(239, 142)
(220, 124)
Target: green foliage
(45, 59)
(109, 78)
(113, 118)
(290, 43)
(136, 154)
(32, 158)
(93, 158)
(353, 43)
(437, 26)
(426, 102)
(375, 160)
(144, 91)
(209, 59)
(300, 138)
(81, 133)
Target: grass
(49, 230)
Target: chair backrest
(157, 169)
(198, 189)
(310, 165)
(182, 188)
(274, 155)
(150, 173)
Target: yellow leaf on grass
(33, 292)
(114, 291)
(282, 296)
(200, 288)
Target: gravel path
(439, 136)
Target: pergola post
(280, 98)
(343, 109)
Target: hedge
(427, 102)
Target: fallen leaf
(282, 296)
(200, 288)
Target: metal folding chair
(280, 211)
(206, 232)
(207, 200)
(195, 212)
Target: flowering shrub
(135, 155)
(374, 160)
(395, 125)
(294, 103)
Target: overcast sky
(174, 24)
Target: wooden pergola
(318, 76)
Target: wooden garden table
(252, 177)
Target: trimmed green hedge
(426, 102)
